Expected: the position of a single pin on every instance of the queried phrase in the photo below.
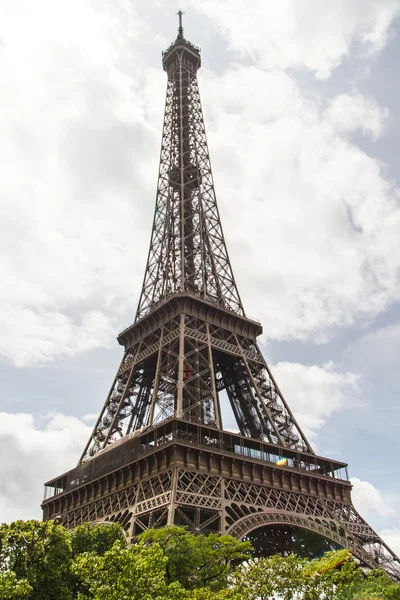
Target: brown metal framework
(187, 248)
(179, 369)
(212, 480)
(159, 453)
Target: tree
(270, 577)
(38, 556)
(96, 538)
(375, 585)
(44, 561)
(134, 573)
(335, 576)
(12, 588)
(197, 561)
(207, 594)
(344, 579)
(332, 572)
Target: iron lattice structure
(159, 453)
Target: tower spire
(180, 28)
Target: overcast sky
(303, 121)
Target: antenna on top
(180, 29)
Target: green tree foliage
(38, 553)
(98, 539)
(276, 576)
(43, 561)
(197, 561)
(36, 557)
(12, 588)
(334, 577)
(343, 579)
(376, 585)
(133, 573)
(207, 594)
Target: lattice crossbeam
(242, 506)
(180, 370)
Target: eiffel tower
(159, 453)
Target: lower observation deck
(243, 450)
(210, 480)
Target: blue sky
(301, 107)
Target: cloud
(378, 349)
(314, 393)
(80, 120)
(90, 418)
(376, 356)
(373, 505)
(368, 499)
(75, 151)
(33, 450)
(293, 34)
(392, 538)
(29, 338)
(349, 112)
(316, 245)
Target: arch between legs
(249, 523)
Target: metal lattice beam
(180, 370)
(238, 507)
(187, 247)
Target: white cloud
(316, 244)
(74, 155)
(349, 112)
(80, 120)
(27, 337)
(392, 538)
(90, 418)
(372, 504)
(378, 349)
(368, 499)
(314, 393)
(34, 450)
(301, 33)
